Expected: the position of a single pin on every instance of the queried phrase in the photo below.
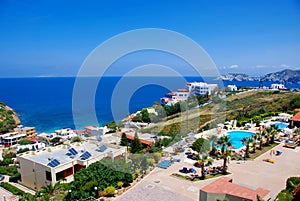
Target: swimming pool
(281, 126)
(237, 136)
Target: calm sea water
(46, 103)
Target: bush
(120, 184)
(15, 178)
(110, 191)
(14, 190)
(157, 157)
(24, 142)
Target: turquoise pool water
(281, 126)
(237, 136)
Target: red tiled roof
(34, 139)
(224, 185)
(146, 142)
(296, 117)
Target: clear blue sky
(52, 38)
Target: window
(48, 176)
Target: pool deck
(160, 185)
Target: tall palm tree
(259, 137)
(202, 162)
(254, 139)
(266, 135)
(213, 139)
(274, 129)
(225, 150)
(246, 141)
(225, 155)
(225, 142)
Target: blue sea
(46, 103)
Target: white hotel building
(192, 89)
(46, 167)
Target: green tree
(136, 145)
(225, 142)
(157, 157)
(225, 155)
(246, 141)
(145, 116)
(76, 139)
(201, 145)
(213, 139)
(24, 142)
(124, 140)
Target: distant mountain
(236, 77)
(286, 76)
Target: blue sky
(52, 38)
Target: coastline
(14, 115)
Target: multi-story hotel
(29, 131)
(192, 89)
(52, 164)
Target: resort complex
(206, 163)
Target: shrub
(110, 190)
(120, 184)
(14, 190)
(24, 142)
(157, 157)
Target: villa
(278, 87)
(29, 131)
(10, 139)
(223, 188)
(52, 164)
(95, 130)
(192, 89)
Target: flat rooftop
(63, 155)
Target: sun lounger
(290, 145)
(269, 160)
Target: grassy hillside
(8, 119)
(254, 105)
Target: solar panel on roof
(85, 155)
(51, 164)
(88, 154)
(73, 151)
(55, 162)
(103, 148)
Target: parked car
(1, 177)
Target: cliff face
(14, 115)
(8, 118)
(285, 76)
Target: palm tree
(246, 141)
(225, 150)
(259, 137)
(254, 139)
(212, 139)
(225, 155)
(273, 131)
(202, 162)
(225, 142)
(266, 135)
